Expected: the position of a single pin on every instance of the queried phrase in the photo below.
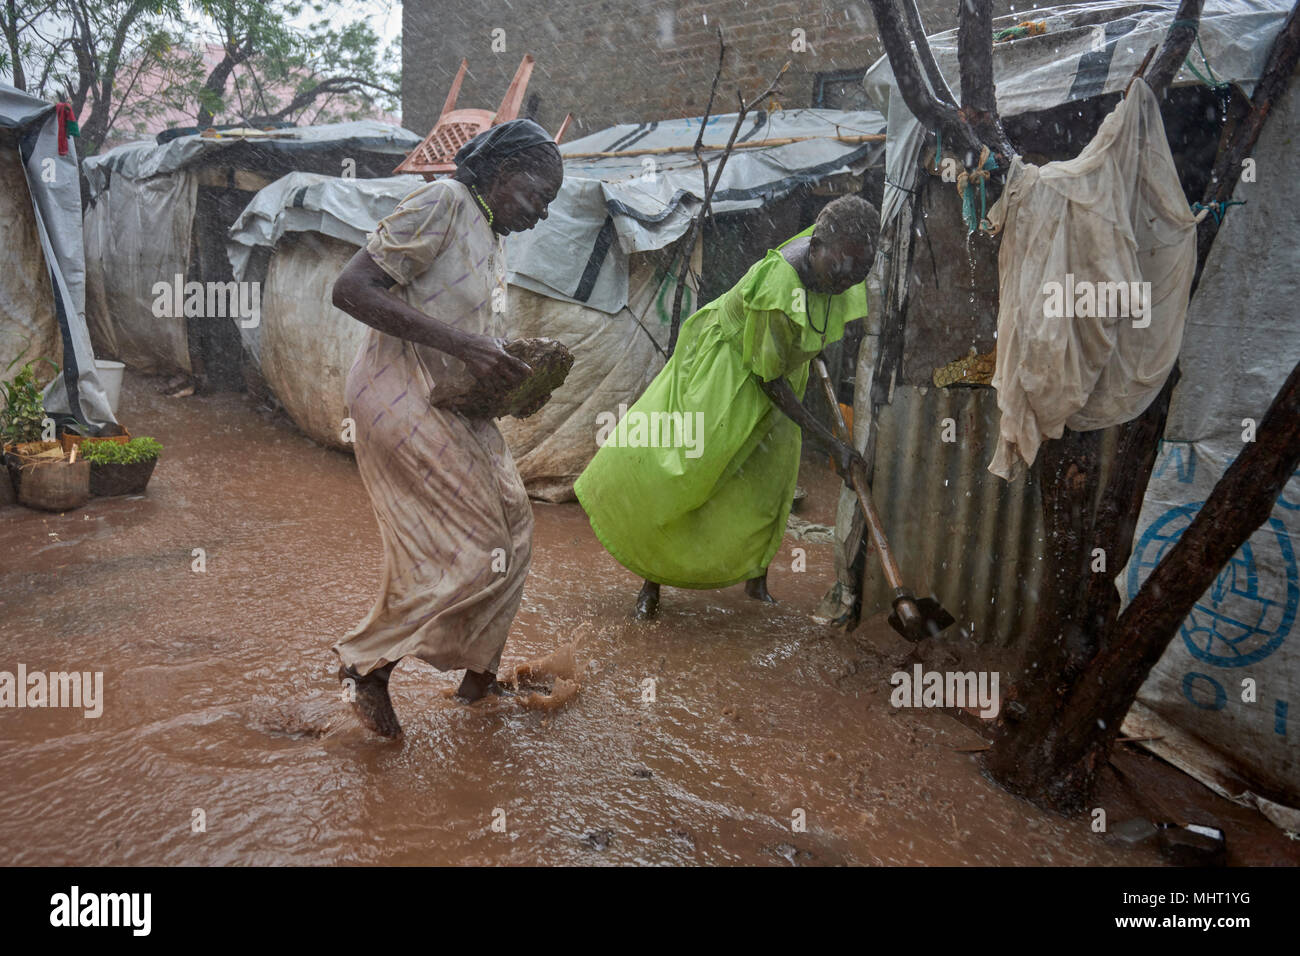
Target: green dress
(709, 510)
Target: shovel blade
(930, 620)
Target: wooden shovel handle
(859, 484)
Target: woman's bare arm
(363, 291)
(784, 398)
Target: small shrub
(24, 408)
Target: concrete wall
(621, 61)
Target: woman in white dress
(452, 511)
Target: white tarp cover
(1112, 223)
(148, 158)
(50, 185)
(608, 207)
(1241, 342)
(307, 347)
(1089, 49)
(138, 234)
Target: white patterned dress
(453, 514)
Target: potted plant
(23, 413)
(22, 417)
(120, 468)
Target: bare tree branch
(926, 55)
(1178, 41)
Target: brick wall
(619, 61)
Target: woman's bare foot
(757, 589)
(476, 685)
(371, 699)
(647, 602)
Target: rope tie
(969, 178)
(1216, 209)
(1213, 82)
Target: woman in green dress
(692, 488)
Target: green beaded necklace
(482, 203)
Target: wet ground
(769, 738)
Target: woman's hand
(846, 460)
(488, 361)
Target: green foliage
(136, 450)
(24, 408)
(280, 62)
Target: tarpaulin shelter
(42, 269)
(160, 210)
(976, 540)
(594, 274)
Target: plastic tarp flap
(1088, 50)
(1240, 344)
(146, 159)
(138, 235)
(347, 209)
(54, 191)
(1095, 268)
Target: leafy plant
(101, 452)
(24, 408)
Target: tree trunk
(1054, 757)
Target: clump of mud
(550, 362)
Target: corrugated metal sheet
(958, 532)
(970, 538)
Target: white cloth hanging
(1095, 269)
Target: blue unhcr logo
(1236, 622)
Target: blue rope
(1213, 82)
(973, 221)
(1217, 209)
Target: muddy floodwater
(725, 732)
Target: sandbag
(1095, 269)
(307, 346)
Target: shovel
(914, 618)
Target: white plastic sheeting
(140, 225)
(1109, 237)
(138, 234)
(28, 325)
(1089, 49)
(1241, 342)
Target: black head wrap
(488, 148)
